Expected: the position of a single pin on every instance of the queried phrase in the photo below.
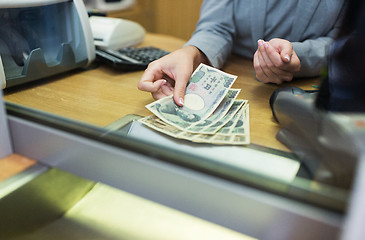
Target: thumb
(286, 52)
(179, 91)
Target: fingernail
(259, 42)
(266, 44)
(287, 57)
(181, 101)
(163, 82)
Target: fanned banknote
(155, 123)
(232, 111)
(211, 112)
(238, 136)
(242, 126)
(228, 127)
(205, 91)
(220, 112)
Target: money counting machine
(40, 38)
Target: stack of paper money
(211, 112)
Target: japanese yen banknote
(205, 91)
(211, 112)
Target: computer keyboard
(130, 59)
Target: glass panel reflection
(256, 166)
(101, 103)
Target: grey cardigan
(227, 26)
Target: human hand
(171, 73)
(275, 61)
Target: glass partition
(101, 103)
(243, 165)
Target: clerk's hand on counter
(275, 61)
(171, 73)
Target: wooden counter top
(103, 95)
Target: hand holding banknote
(211, 113)
(171, 73)
(205, 91)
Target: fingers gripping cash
(211, 112)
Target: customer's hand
(275, 61)
(171, 73)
